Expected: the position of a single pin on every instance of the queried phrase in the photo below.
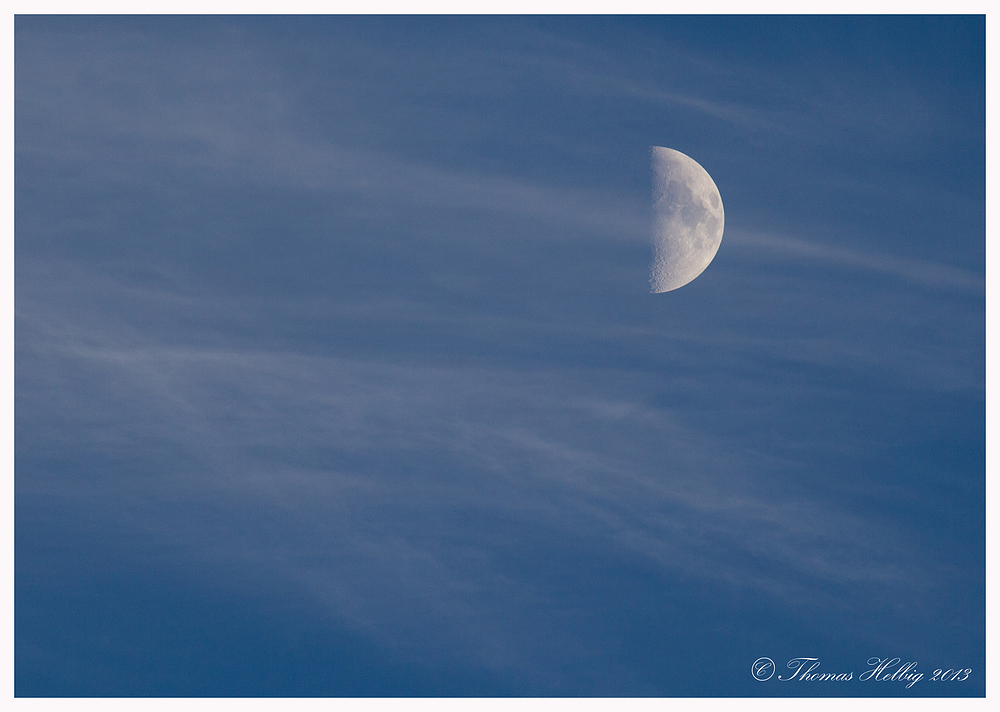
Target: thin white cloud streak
(733, 113)
(378, 177)
(919, 272)
(587, 69)
(694, 82)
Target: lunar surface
(687, 220)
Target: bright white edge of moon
(687, 219)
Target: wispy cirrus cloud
(918, 272)
(375, 336)
(396, 495)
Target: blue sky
(337, 373)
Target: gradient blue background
(337, 371)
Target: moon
(687, 220)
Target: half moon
(687, 220)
